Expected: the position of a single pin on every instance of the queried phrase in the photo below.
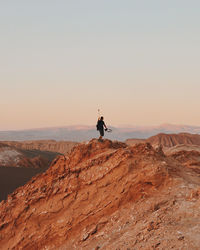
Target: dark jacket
(100, 125)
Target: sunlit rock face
(106, 195)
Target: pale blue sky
(62, 60)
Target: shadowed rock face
(12, 156)
(17, 166)
(105, 195)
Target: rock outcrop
(181, 147)
(105, 195)
(190, 159)
(171, 143)
(171, 140)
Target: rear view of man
(100, 126)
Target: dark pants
(101, 131)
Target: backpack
(97, 126)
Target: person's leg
(101, 134)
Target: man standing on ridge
(100, 126)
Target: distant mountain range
(82, 133)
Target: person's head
(102, 118)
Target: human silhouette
(100, 127)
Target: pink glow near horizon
(138, 63)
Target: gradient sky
(138, 61)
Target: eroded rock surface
(168, 141)
(106, 195)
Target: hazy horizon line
(121, 126)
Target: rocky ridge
(15, 157)
(171, 140)
(62, 147)
(106, 195)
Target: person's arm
(105, 125)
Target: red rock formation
(105, 195)
(190, 159)
(171, 143)
(170, 140)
